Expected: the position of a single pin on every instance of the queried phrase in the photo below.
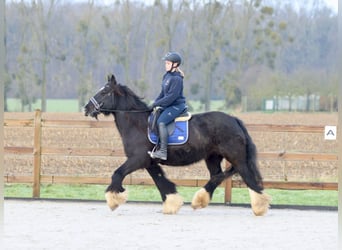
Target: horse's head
(114, 97)
(103, 100)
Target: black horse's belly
(182, 157)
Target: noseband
(95, 103)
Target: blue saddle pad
(178, 136)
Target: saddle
(177, 130)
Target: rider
(170, 101)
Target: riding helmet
(173, 57)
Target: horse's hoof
(201, 199)
(260, 202)
(115, 199)
(172, 204)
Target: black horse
(213, 136)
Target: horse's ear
(111, 79)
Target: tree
(41, 35)
(226, 46)
(83, 57)
(212, 44)
(24, 75)
(255, 39)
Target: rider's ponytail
(180, 71)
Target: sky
(333, 4)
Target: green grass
(52, 105)
(150, 193)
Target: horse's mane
(132, 101)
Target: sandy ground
(91, 225)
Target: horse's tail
(253, 174)
(252, 177)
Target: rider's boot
(163, 136)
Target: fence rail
(37, 150)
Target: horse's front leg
(115, 193)
(172, 201)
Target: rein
(126, 111)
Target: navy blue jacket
(172, 91)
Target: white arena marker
(330, 133)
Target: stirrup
(154, 152)
(158, 155)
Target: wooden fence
(37, 151)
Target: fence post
(228, 187)
(37, 154)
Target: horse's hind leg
(250, 174)
(203, 196)
(172, 201)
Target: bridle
(97, 107)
